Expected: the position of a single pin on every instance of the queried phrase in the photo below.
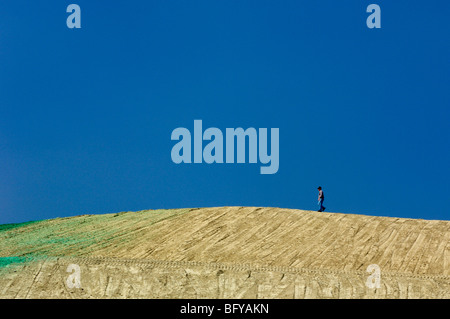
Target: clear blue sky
(86, 114)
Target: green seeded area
(6, 227)
(76, 236)
(6, 261)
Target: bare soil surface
(226, 252)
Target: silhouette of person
(321, 199)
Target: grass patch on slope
(6, 261)
(6, 227)
(77, 235)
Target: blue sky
(86, 114)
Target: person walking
(321, 199)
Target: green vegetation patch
(6, 227)
(79, 235)
(6, 261)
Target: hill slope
(308, 254)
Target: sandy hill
(226, 252)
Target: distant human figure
(321, 199)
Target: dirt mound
(226, 252)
